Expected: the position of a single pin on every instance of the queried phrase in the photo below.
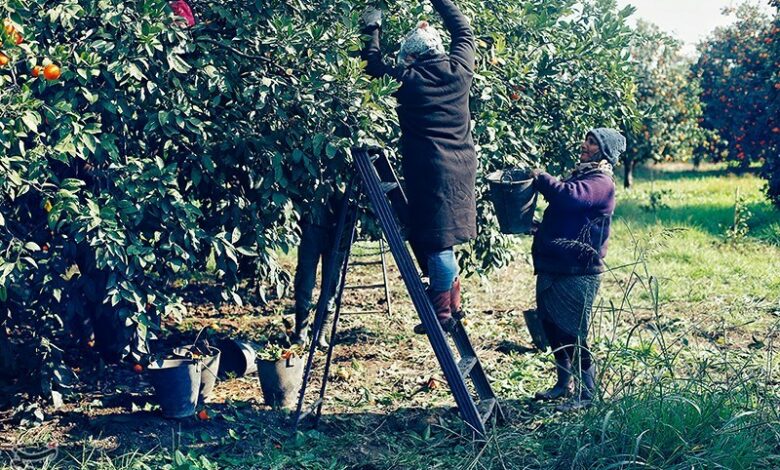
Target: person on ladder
(568, 253)
(439, 161)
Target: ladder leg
(334, 326)
(331, 272)
(384, 276)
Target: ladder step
(363, 312)
(485, 409)
(387, 187)
(465, 365)
(311, 410)
(366, 263)
(367, 286)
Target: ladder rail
(416, 290)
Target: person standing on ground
(439, 160)
(568, 253)
(318, 232)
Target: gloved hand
(371, 18)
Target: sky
(688, 20)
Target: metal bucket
(208, 371)
(176, 384)
(237, 358)
(514, 199)
(280, 380)
(536, 329)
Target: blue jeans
(442, 269)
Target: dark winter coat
(439, 160)
(574, 232)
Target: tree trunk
(628, 178)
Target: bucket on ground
(514, 199)
(176, 384)
(209, 358)
(280, 380)
(237, 358)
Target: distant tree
(667, 99)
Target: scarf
(584, 168)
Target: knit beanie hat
(424, 40)
(611, 143)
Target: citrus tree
(668, 100)
(736, 77)
(771, 169)
(159, 151)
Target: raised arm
(462, 47)
(372, 54)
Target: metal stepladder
(384, 285)
(381, 186)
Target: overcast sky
(689, 20)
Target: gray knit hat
(424, 40)
(611, 143)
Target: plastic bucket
(514, 199)
(176, 384)
(237, 358)
(280, 381)
(209, 368)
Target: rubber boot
(563, 386)
(587, 392)
(442, 305)
(301, 331)
(323, 341)
(456, 304)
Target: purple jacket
(573, 235)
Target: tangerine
(51, 72)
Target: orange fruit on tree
(18, 39)
(514, 96)
(36, 71)
(138, 368)
(203, 415)
(51, 72)
(4, 60)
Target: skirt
(567, 301)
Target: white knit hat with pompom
(422, 41)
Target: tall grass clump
(672, 399)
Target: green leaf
(32, 120)
(177, 64)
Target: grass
(684, 332)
